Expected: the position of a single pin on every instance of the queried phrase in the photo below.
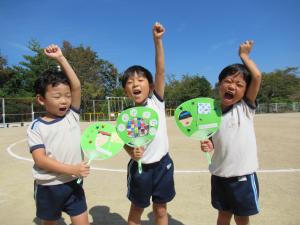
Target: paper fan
(137, 126)
(199, 118)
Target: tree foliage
(98, 76)
(280, 86)
(189, 86)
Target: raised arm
(54, 52)
(253, 88)
(159, 85)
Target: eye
(240, 85)
(227, 81)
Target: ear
(125, 92)
(40, 99)
(151, 87)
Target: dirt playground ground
(278, 139)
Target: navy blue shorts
(52, 200)
(155, 181)
(238, 195)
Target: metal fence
(21, 111)
(278, 107)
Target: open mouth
(62, 109)
(136, 92)
(228, 95)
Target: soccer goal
(115, 105)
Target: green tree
(280, 86)
(98, 76)
(9, 84)
(188, 87)
(30, 69)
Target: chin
(139, 100)
(230, 102)
(227, 103)
(60, 114)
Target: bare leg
(135, 213)
(160, 214)
(242, 220)
(81, 219)
(224, 218)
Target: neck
(50, 117)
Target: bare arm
(46, 163)
(159, 85)
(256, 77)
(54, 52)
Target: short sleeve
(248, 109)
(75, 113)
(158, 101)
(34, 139)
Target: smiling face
(57, 100)
(232, 89)
(137, 88)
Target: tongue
(228, 96)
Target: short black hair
(49, 77)
(233, 69)
(140, 71)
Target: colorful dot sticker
(137, 126)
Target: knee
(160, 210)
(242, 220)
(135, 212)
(224, 218)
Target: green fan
(100, 141)
(199, 118)
(137, 127)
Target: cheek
(242, 90)
(221, 89)
(127, 91)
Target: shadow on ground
(101, 215)
(37, 221)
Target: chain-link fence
(278, 107)
(19, 110)
(24, 110)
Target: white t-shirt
(235, 147)
(61, 140)
(159, 146)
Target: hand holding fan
(100, 141)
(199, 118)
(137, 127)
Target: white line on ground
(9, 150)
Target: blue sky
(202, 36)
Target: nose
(63, 100)
(231, 86)
(135, 83)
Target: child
(234, 184)
(54, 142)
(156, 180)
